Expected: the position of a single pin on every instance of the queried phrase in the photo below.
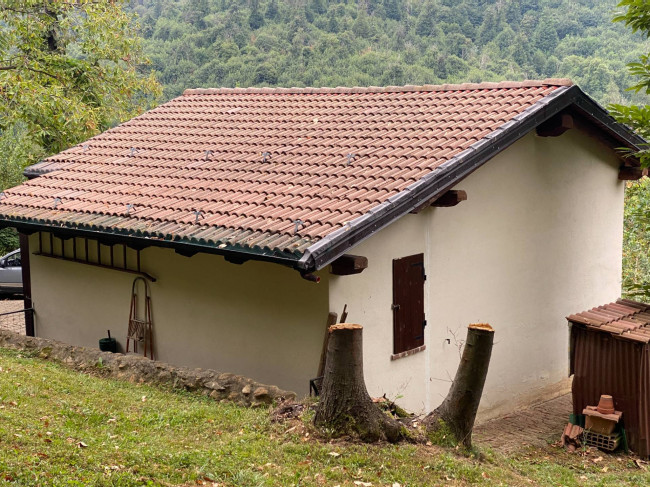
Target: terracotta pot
(606, 404)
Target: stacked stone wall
(138, 369)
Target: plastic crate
(604, 442)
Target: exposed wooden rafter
(555, 125)
(628, 173)
(450, 198)
(349, 264)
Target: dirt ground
(538, 425)
(16, 321)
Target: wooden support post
(344, 314)
(331, 320)
(27, 284)
(349, 264)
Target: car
(11, 273)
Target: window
(408, 303)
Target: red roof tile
(254, 161)
(624, 318)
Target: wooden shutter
(408, 303)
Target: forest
(212, 43)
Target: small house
(255, 212)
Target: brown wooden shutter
(408, 303)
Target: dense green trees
(636, 15)
(344, 42)
(68, 70)
(636, 242)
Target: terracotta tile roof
(269, 171)
(624, 318)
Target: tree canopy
(68, 70)
(199, 43)
(637, 16)
(636, 241)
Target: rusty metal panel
(605, 364)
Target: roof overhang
(456, 169)
(234, 254)
(434, 184)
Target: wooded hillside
(210, 43)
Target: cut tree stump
(344, 405)
(458, 411)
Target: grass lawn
(59, 427)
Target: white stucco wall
(539, 237)
(257, 319)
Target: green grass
(141, 435)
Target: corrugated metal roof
(626, 319)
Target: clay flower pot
(606, 404)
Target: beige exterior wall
(259, 320)
(539, 237)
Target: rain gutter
(235, 254)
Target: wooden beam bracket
(629, 173)
(235, 259)
(556, 125)
(349, 264)
(446, 200)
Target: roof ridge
(385, 89)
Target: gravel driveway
(13, 322)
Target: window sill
(396, 356)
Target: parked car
(11, 273)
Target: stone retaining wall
(135, 368)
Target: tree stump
(458, 410)
(344, 404)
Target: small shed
(609, 354)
